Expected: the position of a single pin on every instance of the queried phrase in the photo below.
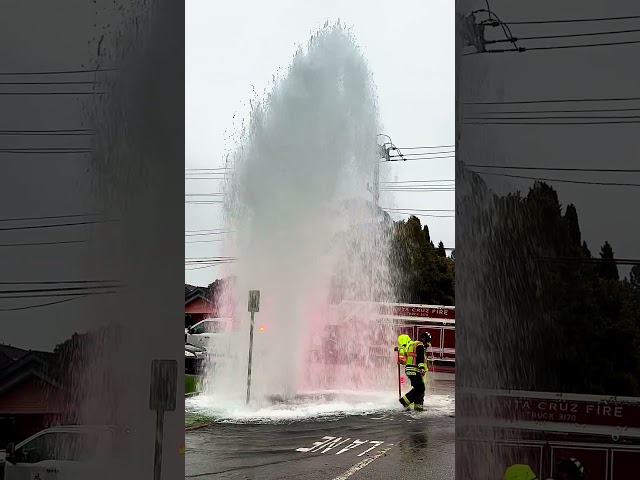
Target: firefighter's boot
(404, 401)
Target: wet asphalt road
(371, 447)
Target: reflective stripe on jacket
(415, 353)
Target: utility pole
(472, 32)
(383, 151)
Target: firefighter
(519, 472)
(566, 469)
(413, 356)
(569, 469)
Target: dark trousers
(416, 394)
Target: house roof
(35, 363)
(198, 292)
(5, 361)
(12, 352)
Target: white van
(210, 334)
(65, 453)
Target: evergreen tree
(571, 217)
(608, 267)
(634, 277)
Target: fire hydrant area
(320, 441)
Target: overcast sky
(586, 73)
(238, 46)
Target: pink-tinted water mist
(307, 233)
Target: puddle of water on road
(336, 405)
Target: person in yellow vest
(413, 355)
(519, 472)
(566, 469)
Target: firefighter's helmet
(403, 340)
(572, 468)
(425, 337)
(519, 472)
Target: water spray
(302, 203)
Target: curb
(192, 394)
(198, 425)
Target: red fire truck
(540, 428)
(379, 324)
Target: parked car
(73, 451)
(209, 333)
(194, 357)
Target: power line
(424, 215)
(33, 244)
(48, 217)
(608, 122)
(207, 169)
(28, 307)
(413, 159)
(193, 262)
(205, 234)
(204, 241)
(38, 152)
(554, 47)
(56, 290)
(420, 148)
(202, 267)
(213, 259)
(602, 19)
(418, 209)
(618, 261)
(584, 182)
(207, 230)
(18, 94)
(57, 72)
(569, 35)
(592, 110)
(205, 178)
(494, 23)
(418, 188)
(45, 295)
(560, 169)
(512, 102)
(59, 282)
(50, 83)
(37, 149)
(61, 132)
(416, 181)
(421, 153)
(217, 194)
(422, 191)
(56, 225)
(565, 117)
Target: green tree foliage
(634, 277)
(608, 267)
(423, 274)
(558, 319)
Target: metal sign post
(399, 375)
(254, 306)
(162, 398)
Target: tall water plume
(299, 202)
